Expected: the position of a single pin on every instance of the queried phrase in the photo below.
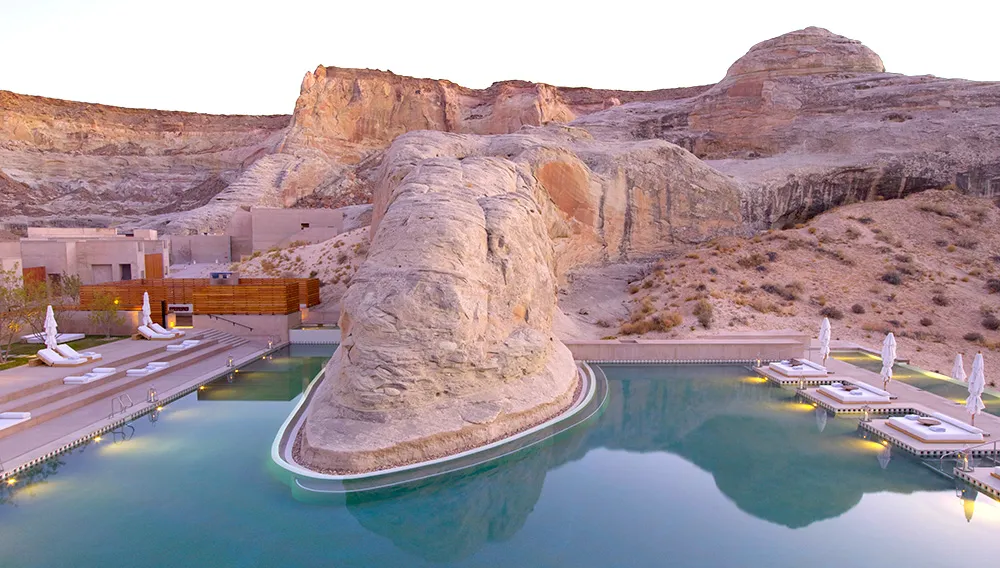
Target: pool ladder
(124, 403)
(964, 458)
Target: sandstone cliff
(77, 162)
(810, 120)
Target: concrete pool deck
(88, 414)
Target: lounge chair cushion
(150, 334)
(15, 415)
(53, 359)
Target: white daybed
(802, 368)
(863, 394)
(949, 431)
(70, 353)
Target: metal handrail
(956, 453)
(230, 321)
(124, 403)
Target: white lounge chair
(149, 368)
(53, 359)
(150, 334)
(93, 375)
(186, 344)
(8, 419)
(162, 330)
(949, 431)
(863, 394)
(70, 353)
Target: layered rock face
(81, 161)
(809, 120)
(345, 118)
(447, 326)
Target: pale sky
(249, 57)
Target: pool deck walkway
(983, 479)
(909, 399)
(37, 442)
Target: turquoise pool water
(685, 466)
(922, 380)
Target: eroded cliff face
(810, 120)
(80, 162)
(448, 325)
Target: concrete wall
(240, 230)
(686, 350)
(200, 248)
(70, 233)
(272, 226)
(80, 256)
(79, 322)
(10, 255)
(263, 325)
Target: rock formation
(67, 162)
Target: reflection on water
(279, 376)
(682, 462)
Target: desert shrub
(602, 323)
(832, 313)
(763, 306)
(772, 256)
(968, 244)
(926, 322)
(633, 289)
(993, 285)
(812, 230)
(852, 233)
(342, 258)
(313, 273)
(905, 258)
(973, 336)
(937, 210)
(664, 321)
(787, 292)
(866, 220)
(692, 255)
(750, 261)
(744, 289)
(876, 327)
(941, 242)
(907, 269)
(940, 300)
(951, 248)
(858, 309)
(893, 278)
(704, 312)
(647, 284)
(991, 322)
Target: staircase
(54, 399)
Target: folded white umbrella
(146, 319)
(977, 383)
(888, 358)
(824, 339)
(958, 369)
(51, 329)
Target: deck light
(12, 481)
(159, 408)
(97, 438)
(865, 413)
(202, 387)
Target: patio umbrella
(888, 359)
(146, 320)
(824, 339)
(977, 383)
(958, 369)
(51, 331)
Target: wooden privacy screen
(269, 293)
(154, 266)
(34, 274)
(247, 299)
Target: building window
(126, 272)
(55, 279)
(305, 225)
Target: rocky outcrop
(85, 161)
(447, 326)
(809, 120)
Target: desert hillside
(926, 268)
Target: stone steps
(73, 398)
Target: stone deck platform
(982, 478)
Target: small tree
(104, 312)
(10, 310)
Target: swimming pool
(685, 465)
(930, 382)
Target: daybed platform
(947, 430)
(855, 392)
(798, 368)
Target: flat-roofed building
(95, 255)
